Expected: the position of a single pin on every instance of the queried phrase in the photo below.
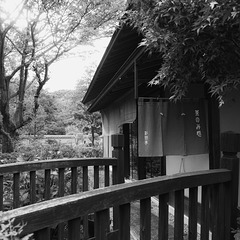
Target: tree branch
(3, 132)
(25, 122)
(17, 92)
(18, 50)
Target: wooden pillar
(163, 165)
(214, 132)
(118, 144)
(141, 166)
(126, 150)
(230, 146)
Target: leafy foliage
(9, 231)
(47, 119)
(35, 150)
(198, 40)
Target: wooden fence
(215, 212)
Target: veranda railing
(217, 187)
(215, 212)
(30, 182)
(73, 169)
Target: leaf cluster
(9, 231)
(198, 40)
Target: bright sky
(65, 74)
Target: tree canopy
(34, 34)
(198, 40)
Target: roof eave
(106, 53)
(116, 78)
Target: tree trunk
(6, 127)
(7, 144)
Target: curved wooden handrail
(55, 163)
(44, 214)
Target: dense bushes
(38, 150)
(29, 150)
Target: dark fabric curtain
(167, 128)
(150, 129)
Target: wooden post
(214, 130)
(118, 144)
(141, 165)
(102, 224)
(163, 165)
(126, 150)
(230, 146)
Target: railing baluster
(96, 177)
(61, 194)
(193, 213)
(61, 182)
(85, 188)
(74, 225)
(124, 221)
(115, 209)
(96, 185)
(113, 235)
(47, 184)
(1, 192)
(16, 187)
(43, 234)
(85, 178)
(220, 212)
(163, 217)
(145, 219)
(179, 215)
(74, 180)
(227, 190)
(74, 228)
(32, 187)
(215, 212)
(114, 175)
(102, 226)
(106, 175)
(205, 213)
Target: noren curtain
(167, 128)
